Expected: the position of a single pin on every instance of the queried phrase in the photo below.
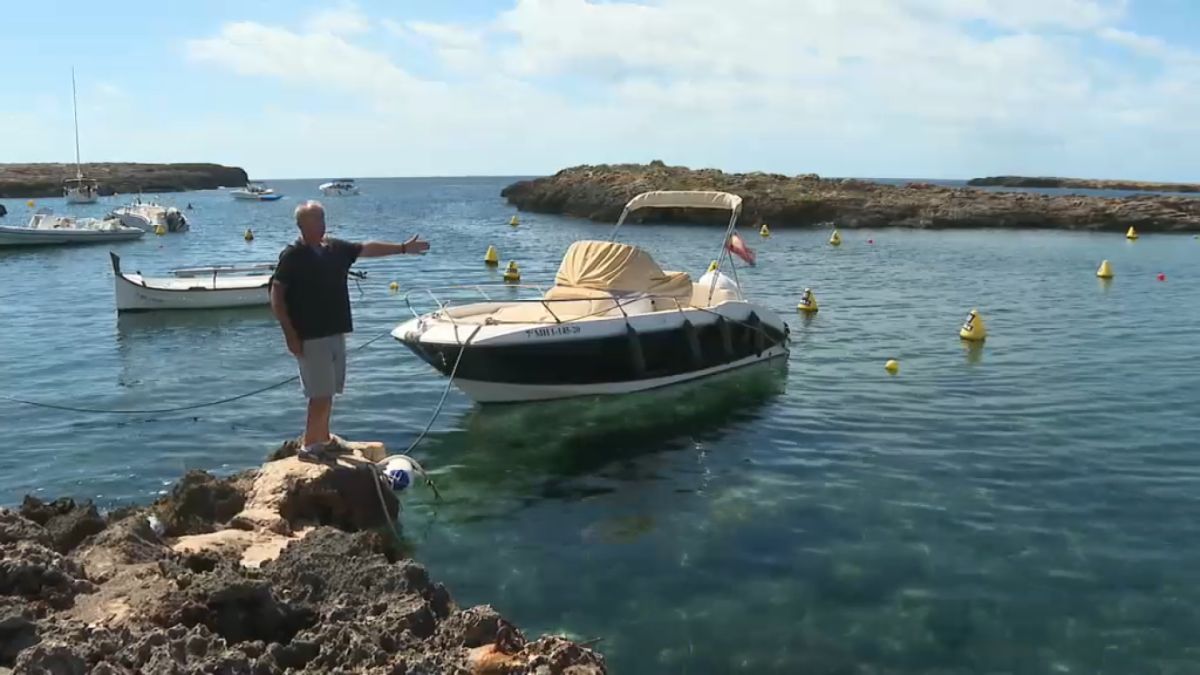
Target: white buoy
(399, 472)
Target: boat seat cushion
(558, 309)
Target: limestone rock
(600, 193)
(15, 527)
(199, 502)
(66, 522)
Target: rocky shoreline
(27, 181)
(277, 569)
(599, 193)
(1084, 183)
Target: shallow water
(1024, 507)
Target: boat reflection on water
(570, 449)
(150, 325)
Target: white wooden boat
(46, 229)
(79, 190)
(214, 287)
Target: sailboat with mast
(79, 190)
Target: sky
(870, 88)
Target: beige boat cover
(615, 268)
(685, 199)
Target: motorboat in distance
(342, 187)
(256, 192)
(212, 287)
(614, 322)
(149, 216)
(46, 229)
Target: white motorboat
(47, 229)
(149, 216)
(79, 190)
(256, 192)
(342, 187)
(214, 287)
(614, 322)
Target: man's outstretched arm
(378, 249)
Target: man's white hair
(308, 207)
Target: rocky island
(279, 569)
(46, 180)
(599, 193)
(1084, 183)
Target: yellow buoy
(712, 266)
(249, 236)
(1105, 271)
(160, 230)
(835, 239)
(1131, 233)
(973, 328)
(764, 231)
(808, 302)
(512, 273)
(394, 286)
(31, 203)
(492, 257)
(892, 366)
(514, 221)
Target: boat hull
(80, 197)
(506, 364)
(504, 392)
(251, 197)
(134, 297)
(26, 236)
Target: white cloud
(316, 58)
(346, 19)
(931, 87)
(1030, 14)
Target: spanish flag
(738, 247)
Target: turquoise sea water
(1026, 507)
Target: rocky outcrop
(46, 180)
(1084, 183)
(600, 192)
(146, 594)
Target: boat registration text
(550, 331)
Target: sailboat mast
(75, 108)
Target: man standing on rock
(310, 299)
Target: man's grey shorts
(323, 366)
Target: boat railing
(222, 269)
(481, 289)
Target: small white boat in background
(47, 229)
(342, 187)
(149, 216)
(256, 192)
(213, 287)
(79, 190)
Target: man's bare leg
(316, 427)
